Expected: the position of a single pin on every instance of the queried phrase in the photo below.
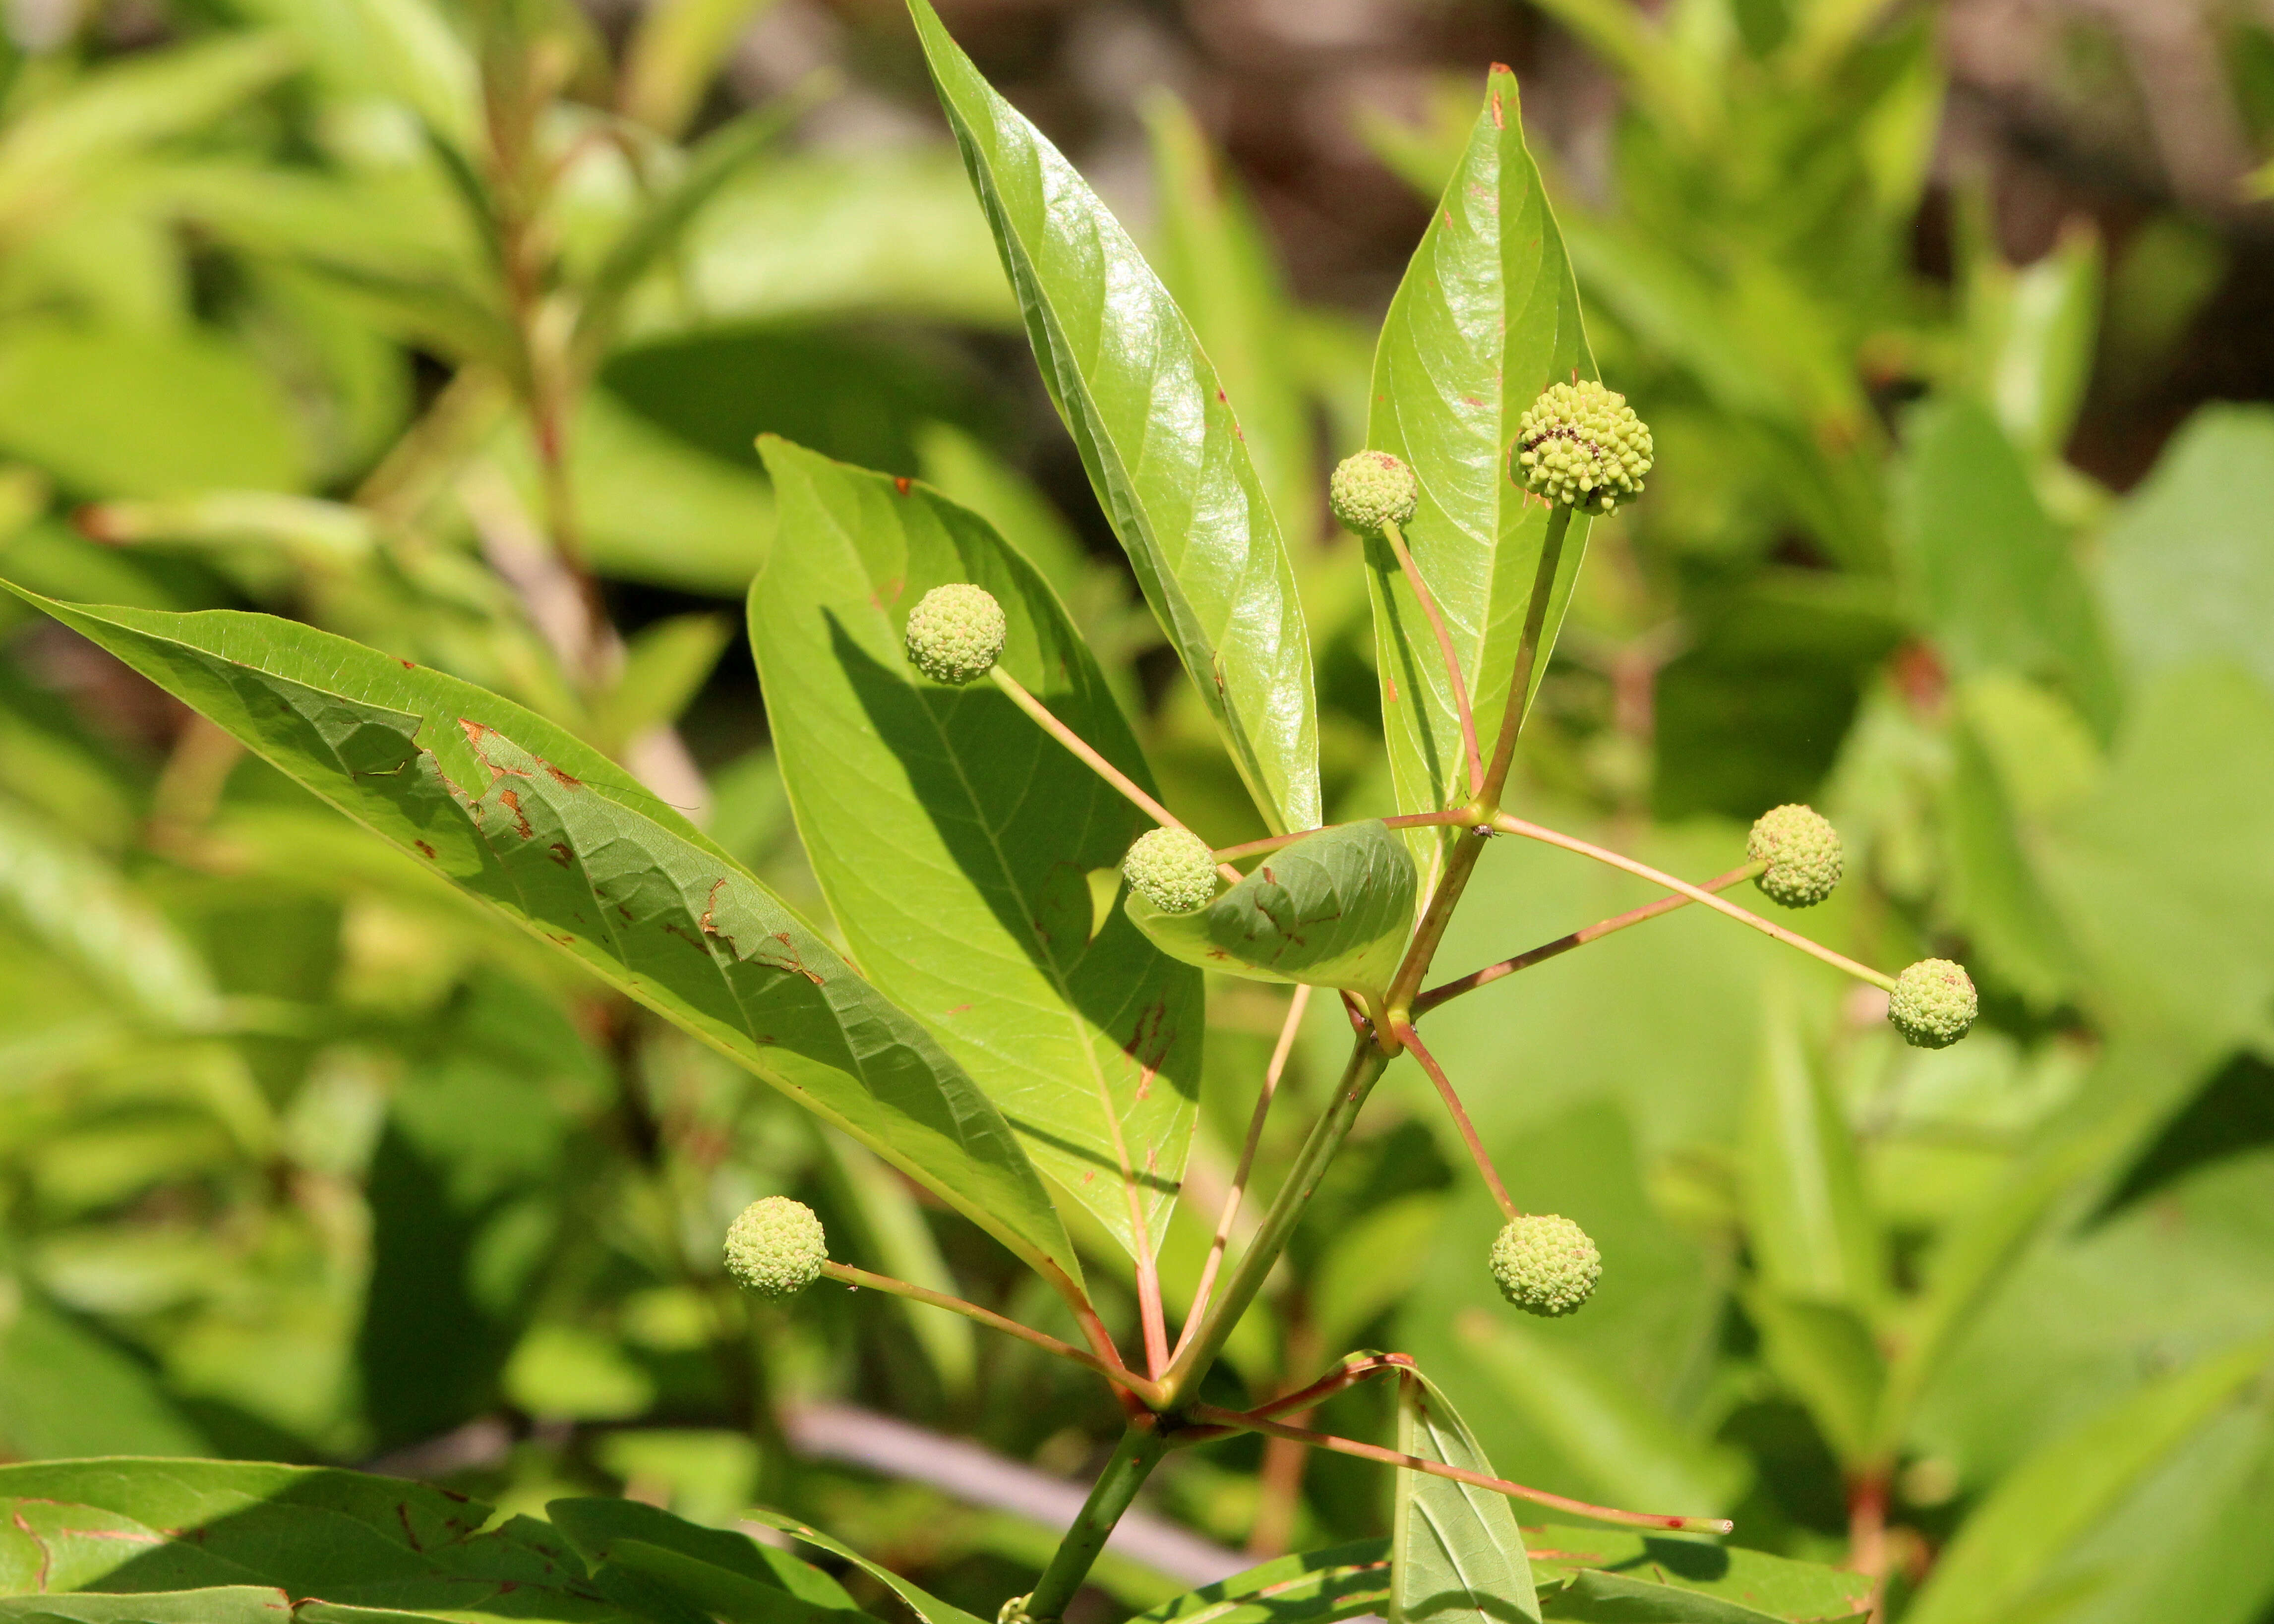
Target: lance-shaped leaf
(954, 838)
(1485, 319)
(1333, 909)
(563, 842)
(928, 1607)
(1311, 1587)
(1612, 1574)
(1156, 433)
(1456, 1555)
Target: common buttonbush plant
(954, 755)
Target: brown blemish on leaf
(901, 482)
(1500, 117)
(511, 801)
(563, 855)
(408, 665)
(424, 850)
(402, 1515)
(566, 780)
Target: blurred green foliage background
(397, 315)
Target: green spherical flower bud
(1012, 1612)
(1802, 852)
(1171, 868)
(1933, 1005)
(1546, 1265)
(956, 633)
(1373, 489)
(776, 1248)
(1581, 445)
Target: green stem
(1366, 1063)
(1139, 1450)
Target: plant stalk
(1367, 1063)
(1428, 602)
(1139, 1450)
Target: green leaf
(1597, 1573)
(928, 1608)
(665, 664)
(1216, 259)
(1602, 1422)
(1807, 1223)
(52, 149)
(1333, 909)
(1826, 1354)
(2188, 568)
(662, 226)
(954, 838)
(2007, 1550)
(1156, 433)
(1311, 1586)
(1485, 319)
(114, 412)
(232, 1604)
(1455, 1551)
(1986, 572)
(66, 1390)
(570, 846)
(2033, 333)
(726, 1574)
(131, 1525)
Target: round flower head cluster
(1802, 852)
(776, 1248)
(1373, 489)
(1581, 445)
(1933, 1005)
(956, 634)
(1546, 1265)
(1171, 868)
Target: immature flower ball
(1802, 852)
(956, 633)
(1373, 489)
(1546, 1265)
(1933, 1005)
(776, 1248)
(1171, 868)
(1581, 445)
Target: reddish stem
(1404, 820)
(1437, 1469)
(1402, 1031)
(1490, 974)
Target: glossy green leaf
(1616, 1576)
(1485, 319)
(1456, 1555)
(928, 1608)
(1807, 1224)
(953, 837)
(1333, 909)
(1156, 433)
(1311, 1587)
(2008, 1550)
(1217, 262)
(540, 826)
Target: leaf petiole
(1561, 944)
(1249, 1422)
(1082, 752)
(1112, 1370)
(1506, 824)
(1401, 1029)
